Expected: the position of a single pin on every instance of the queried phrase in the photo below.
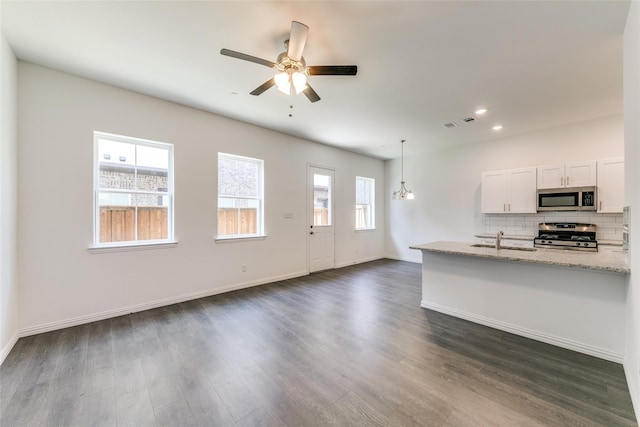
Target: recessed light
(497, 127)
(481, 111)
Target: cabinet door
(580, 174)
(494, 192)
(551, 176)
(611, 185)
(522, 191)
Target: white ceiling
(533, 64)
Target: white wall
(8, 204)
(447, 182)
(61, 283)
(632, 189)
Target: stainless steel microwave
(567, 199)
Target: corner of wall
(631, 84)
(8, 199)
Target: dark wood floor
(342, 347)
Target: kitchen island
(567, 298)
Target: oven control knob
(578, 244)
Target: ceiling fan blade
(297, 40)
(245, 57)
(333, 70)
(264, 86)
(311, 94)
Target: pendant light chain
(402, 160)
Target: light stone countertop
(507, 237)
(601, 261)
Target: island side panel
(578, 309)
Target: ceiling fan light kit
(287, 79)
(291, 70)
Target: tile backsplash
(608, 226)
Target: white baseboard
(528, 333)
(8, 347)
(359, 261)
(398, 258)
(47, 327)
(633, 382)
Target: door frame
(309, 210)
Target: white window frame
(260, 198)
(372, 197)
(131, 244)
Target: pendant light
(402, 193)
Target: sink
(508, 248)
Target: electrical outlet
(244, 268)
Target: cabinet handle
(504, 207)
(600, 205)
(508, 207)
(567, 181)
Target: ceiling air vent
(469, 119)
(451, 125)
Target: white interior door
(321, 226)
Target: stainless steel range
(566, 235)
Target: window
(322, 199)
(240, 200)
(365, 203)
(133, 191)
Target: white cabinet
(508, 191)
(611, 185)
(577, 174)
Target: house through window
(240, 196)
(133, 190)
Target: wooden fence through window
(233, 221)
(117, 223)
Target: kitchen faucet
(499, 239)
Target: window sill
(239, 239)
(132, 247)
(359, 230)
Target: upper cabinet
(577, 174)
(611, 185)
(508, 191)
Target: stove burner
(549, 236)
(581, 237)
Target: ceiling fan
(292, 71)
